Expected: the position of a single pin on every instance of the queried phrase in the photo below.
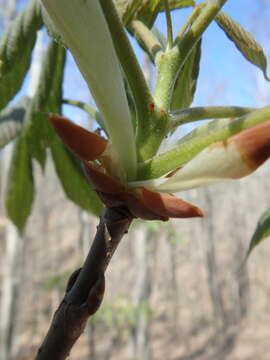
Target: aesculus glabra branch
(85, 289)
(123, 167)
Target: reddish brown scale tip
(138, 208)
(253, 144)
(141, 202)
(83, 143)
(113, 193)
(101, 181)
(166, 205)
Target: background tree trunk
(214, 281)
(13, 240)
(140, 342)
(175, 299)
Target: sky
(224, 72)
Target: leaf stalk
(184, 116)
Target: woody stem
(85, 287)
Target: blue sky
(225, 76)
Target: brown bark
(85, 287)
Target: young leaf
(150, 9)
(261, 232)
(146, 38)
(73, 180)
(11, 121)
(177, 4)
(16, 49)
(224, 115)
(244, 41)
(86, 30)
(147, 10)
(130, 11)
(48, 98)
(185, 86)
(185, 151)
(20, 190)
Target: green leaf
(73, 180)
(20, 189)
(11, 121)
(244, 41)
(47, 99)
(150, 9)
(147, 10)
(177, 4)
(52, 31)
(130, 11)
(185, 86)
(15, 50)
(262, 231)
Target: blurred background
(178, 290)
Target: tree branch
(85, 287)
